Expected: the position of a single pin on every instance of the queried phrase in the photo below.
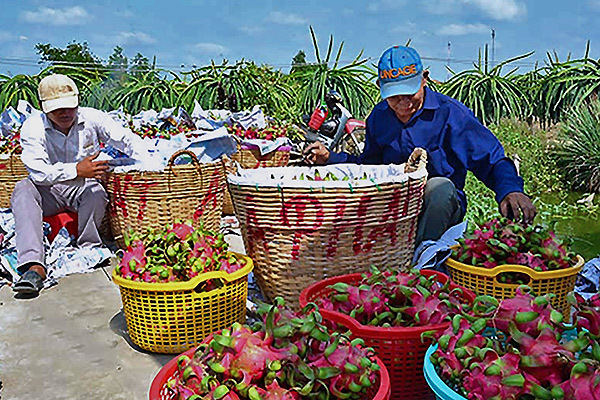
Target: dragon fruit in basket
(288, 355)
(394, 298)
(175, 253)
(520, 349)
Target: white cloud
(251, 29)
(495, 9)
(463, 29)
(57, 16)
(500, 9)
(134, 37)
(211, 48)
(441, 7)
(23, 38)
(286, 19)
(386, 5)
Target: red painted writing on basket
(256, 234)
(339, 226)
(211, 195)
(387, 224)
(305, 213)
(261, 161)
(121, 186)
(363, 206)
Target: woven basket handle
(172, 161)
(184, 151)
(416, 161)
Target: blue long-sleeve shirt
(455, 141)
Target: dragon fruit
(501, 241)
(288, 356)
(528, 313)
(498, 380)
(520, 350)
(587, 314)
(176, 253)
(391, 298)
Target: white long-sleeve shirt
(51, 156)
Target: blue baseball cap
(400, 71)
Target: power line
(25, 62)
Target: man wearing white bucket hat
(60, 147)
(411, 115)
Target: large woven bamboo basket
(12, 170)
(142, 199)
(298, 232)
(249, 157)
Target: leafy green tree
(117, 61)
(75, 54)
(140, 65)
(299, 58)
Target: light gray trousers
(441, 209)
(31, 202)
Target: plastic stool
(66, 219)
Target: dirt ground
(71, 342)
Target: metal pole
(493, 47)
(448, 62)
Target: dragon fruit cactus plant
(176, 253)
(501, 241)
(390, 298)
(286, 356)
(520, 349)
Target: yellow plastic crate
(484, 281)
(175, 316)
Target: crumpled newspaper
(62, 256)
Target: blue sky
(271, 32)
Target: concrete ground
(71, 342)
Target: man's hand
(518, 207)
(88, 168)
(316, 154)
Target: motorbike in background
(339, 132)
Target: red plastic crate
(401, 349)
(159, 390)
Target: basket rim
(166, 170)
(187, 285)
(493, 272)
(254, 178)
(377, 331)
(169, 368)
(436, 384)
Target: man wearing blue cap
(411, 115)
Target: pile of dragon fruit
(175, 253)
(11, 143)
(390, 298)
(165, 131)
(521, 349)
(273, 131)
(501, 241)
(287, 356)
